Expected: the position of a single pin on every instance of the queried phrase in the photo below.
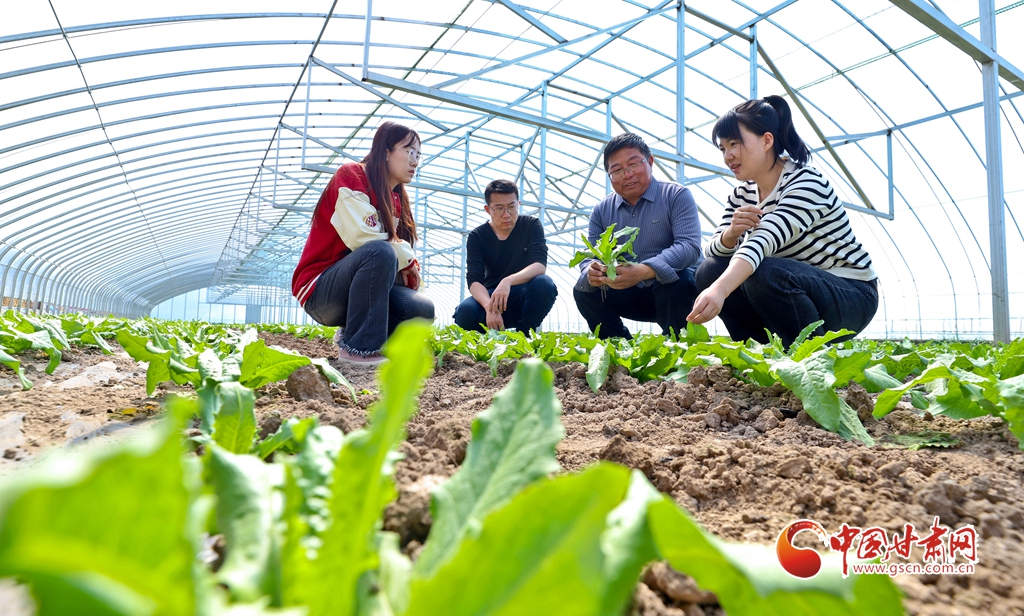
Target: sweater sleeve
(739, 197)
(475, 268)
(355, 220)
(685, 249)
(803, 200)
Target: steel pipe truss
(211, 185)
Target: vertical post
(421, 218)
(888, 147)
(305, 115)
(465, 214)
(607, 129)
(522, 170)
(277, 161)
(994, 167)
(366, 41)
(753, 62)
(680, 88)
(543, 154)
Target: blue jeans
(664, 304)
(370, 270)
(785, 296)
(528, 304)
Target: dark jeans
(785, 296)
(358, 290)
(528, 304)
(664, 304)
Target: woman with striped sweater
(784, 255)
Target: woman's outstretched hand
(707, 306)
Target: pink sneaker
(357, 360)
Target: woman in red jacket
(358, 263)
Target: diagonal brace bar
(533, 21)
(942, 25)
(379, 94)
(526, 118)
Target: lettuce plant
(607, 249)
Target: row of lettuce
(295, 518)
(957, 379)
(960, 380)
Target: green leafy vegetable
(748, 579)
(607, 249)
(552, 559)
(597, 366)
(364, 468)
(104, 526)
(917, 440)
(513, 445)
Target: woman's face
(750, 156)
(402, 161)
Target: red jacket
(345, 219)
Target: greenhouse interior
(221, 393)
(167, 164)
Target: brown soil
(744, 460)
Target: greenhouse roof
(152, 149)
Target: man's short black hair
(626, 140)
(502, 187)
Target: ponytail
(787, 140)
(772, 115)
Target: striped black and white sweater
(803, 219)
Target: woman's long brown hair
(390, 135)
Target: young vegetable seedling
(607, 250)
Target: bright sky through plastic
(145, 159)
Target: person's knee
(424, 308)
(469, 314)
(766, 280)
(584, 298)
(544, 288)
(379, 252)
(709, 271)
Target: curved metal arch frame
(571, 182)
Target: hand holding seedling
(744, 218)
(627, 275)
(607, 252)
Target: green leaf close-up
(234, 426)
(549, 538)
(262, 364)
(513, 445)
(364, 468)
(104, 528)
(749, 581)
(243, 484)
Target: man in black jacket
(505, 263)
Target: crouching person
(660, 286)
(506, 261)
(357, 270)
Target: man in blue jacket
(659, 287)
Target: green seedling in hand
(608, 250)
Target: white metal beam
(942, 25)
(526, 118)
(533, 21)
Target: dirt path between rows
(744, 460)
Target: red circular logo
(800, 562)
